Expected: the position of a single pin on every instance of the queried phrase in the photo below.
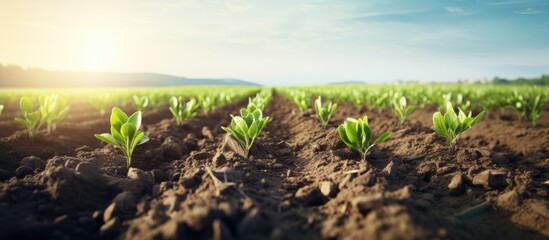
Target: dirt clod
(33, 162)
(490, 179)
(310, 196)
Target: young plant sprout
(401, 109)
(452, 125)
(1, 109)
(302, 101)
(53, 110)
(101, 102)
(125, 132)
(207, 103)
(357, 135)
(141, 103)
(247, 127)
(324, 112)
(529, 109)
(181, 110)
(31, 119)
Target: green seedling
(30, 119)
(1, 109)
(207, 103)
(324, 112)
(181, 110)
(247, 127)
(357, 135)
(53, 110)
(529, 109)
(125, 132)
(451, 125)
(401, 109)
(302, 101)
(140, 103)
(101, 102)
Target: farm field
(299, 180)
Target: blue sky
(283, 42)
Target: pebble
(457, 185)
(490, 179)
(142, 177)
(328, 189)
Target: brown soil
(299, 182)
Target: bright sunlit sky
(284, 41)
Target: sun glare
(98, 51)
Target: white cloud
(529, 11)
(454, 9)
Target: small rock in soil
(23, 171)
(142, 177)
(4, 175)
(328, 189)
(365, 204)
(33, 162)
(490, 179)
(88, 171)
(508, 200)
(310, 196)
(172, 148)
(457, 185)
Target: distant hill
(15, 76)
